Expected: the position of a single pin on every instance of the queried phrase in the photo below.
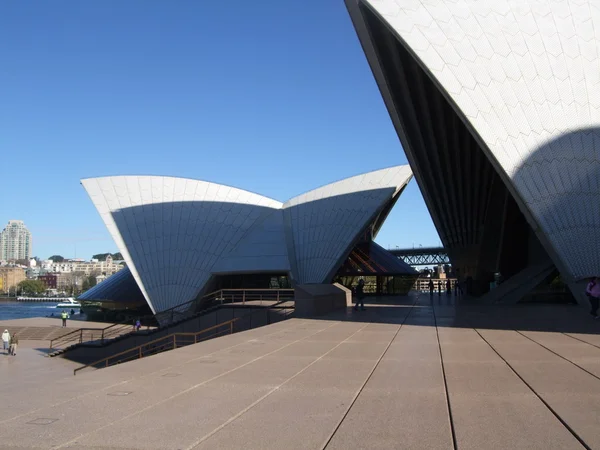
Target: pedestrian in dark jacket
(14, 342)
(360, 295)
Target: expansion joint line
(448, 404)
(360, 389)
(146, 375)
(74, 440)
(559, 355)
(580, 340)
(560, 419)
(276, 388)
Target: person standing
(431, 287)
(14, 342)
(457, 287)
(360, 295)
(5, 339)
(593, 293)
(64, 316)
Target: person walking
(457, 287)
(448, 287)
(14, 342)
(6, 340)
(431, 287)
(593, 293)
(64, 316)
(360, 295)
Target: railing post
(243, 297)
(140, 353)
(80, 336)
(231, 327)
(174, 342)
(278, 295)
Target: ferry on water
(68, 302)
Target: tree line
(100, 257)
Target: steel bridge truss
(430, 256)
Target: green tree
(88, 283)
(117, 256)
(32, 287)
(57, 258)
(101, 256)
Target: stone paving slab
(403, 404)
(583, 354)
(491, 407)
(372, 379)
(572, 393)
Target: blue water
(26, 310)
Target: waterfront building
(496, 106)
(10, 277)
(50, 280)
(107, 267)
(182, 238)
(15, 242)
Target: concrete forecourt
(409, 372)
(496, 106)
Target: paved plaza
(418, 372)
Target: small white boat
(69, 303)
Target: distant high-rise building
(15, 241)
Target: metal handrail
(138, 350)
(219, 294)
(138, 353)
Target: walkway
(413, 374)
(45, 328)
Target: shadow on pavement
(459, 312)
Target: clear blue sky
(271, 96)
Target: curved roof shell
(176, 233)
(524, 77)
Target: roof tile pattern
(326, 221)
(526, 75)
(175, 233)
(172, 231)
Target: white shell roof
(175, 233)
(171, 231)
(324, 223)
(526, 75)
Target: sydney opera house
(497, 107)
(182, 238)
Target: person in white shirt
(5, 339)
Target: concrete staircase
(250, 316)
(519, 285)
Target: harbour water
(10, 310)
